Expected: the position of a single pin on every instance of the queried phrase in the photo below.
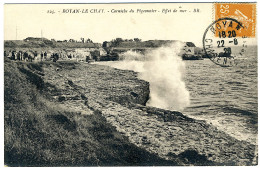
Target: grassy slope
(41, 133)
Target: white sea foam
(164, 70)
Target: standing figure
(26, 56)
(45, 55)
(41, 55)
(13, 55)
(30, 57)
(87, 58)
(35, 54)
(22, 57)
(18, 56)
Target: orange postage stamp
(245, 13)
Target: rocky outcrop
(120, 97)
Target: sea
(226, 97)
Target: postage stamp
(233, 25)
(242, 12)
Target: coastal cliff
(78, 114)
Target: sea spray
(164, 70)
(131, 55)
(131, 60)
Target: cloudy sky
(24, 20)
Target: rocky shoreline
(120, 97)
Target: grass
(39, 132)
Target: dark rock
(61, 98)
(195, 158)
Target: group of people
(29, 55)
(54, 56)
(20, 55)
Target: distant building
(106, 44)
(191, 49)
(198, 50)
(33, 39)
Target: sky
(33, 20)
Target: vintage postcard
(130, 84)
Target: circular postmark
(223, 41)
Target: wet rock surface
(120, 97)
